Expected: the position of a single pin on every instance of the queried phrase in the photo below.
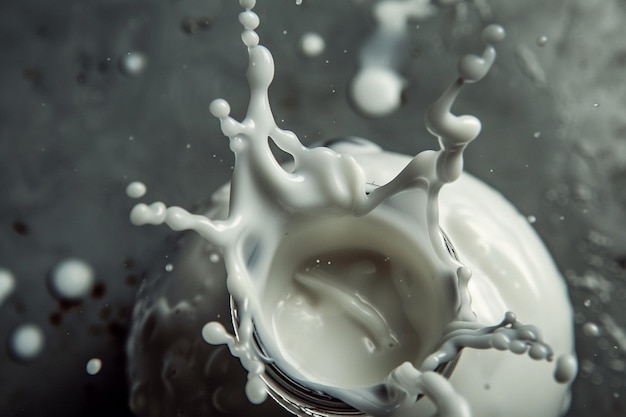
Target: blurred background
(95, 94)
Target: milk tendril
(323, 184)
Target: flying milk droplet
(249, 20)
(591, 329)
(26, 342)
(93, 366)
(133, 63)
(377, 91)
(7, 284)
(312, 44)
(248, 4)
(566, 368)
(542, 40)
(71, 279)
(136, 189)
(493, 34)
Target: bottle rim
(302, 400)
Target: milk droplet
(219, 108)
(26, 342)
(312, 44)
(542, 40)
(566, 368)
(214, 333)
(214, 257)
(536, 135)
(94, 366)
(169, 267)
(493, 34)
(248, 4)
(591, 329)
(71, 279)
(531, 219)
(595, 105)
(133, 63)
(376, 91)
(249, 20)
(136, 189)
(7, 284)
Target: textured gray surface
(74, 130)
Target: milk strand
(328, 187)
(377, 86)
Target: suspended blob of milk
(566, 368)
(376, 88)
(26, 342)
(301, 210)
(136, 189)
(312, 44)
(93, 366)
(7, 284)
(133, 63)
(591, 329)
(71, 279)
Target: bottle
(172, 370)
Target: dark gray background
(74, 130)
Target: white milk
(312, 44)
(7, 284)
(71, 279)
(136, 189)
(342, 281)
(376, 88)
(94, 365)
(26, 342)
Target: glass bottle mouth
(300, 399)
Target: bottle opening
(345, 303)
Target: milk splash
(324, 186)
